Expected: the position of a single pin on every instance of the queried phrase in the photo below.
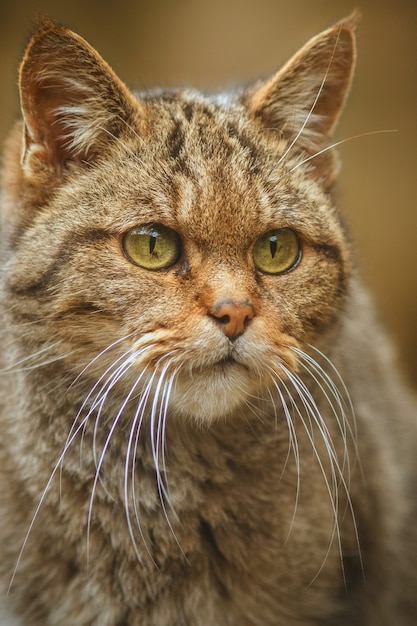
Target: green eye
(152, 246)
(277, 251)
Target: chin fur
(211, 395)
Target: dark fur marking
(81, 308)
(63, 255)
(246, 144)
(175, 140)
(188, 111)
(207, 536)
(330, 252)
(207, 111)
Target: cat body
(201, 420)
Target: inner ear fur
(304, 99)
(72, 102)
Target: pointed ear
(304, 100)
(72, 102)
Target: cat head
(172, 242)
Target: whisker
(155, 436)
(292, 444)
(332, 488)
(93, 389)
(166, 398)
(13, 369)
(315, 370)
(157, 414)
(41, 501)
(344, 387)
(339, 143)
(98, 356)
(97, 408)
(310, 367)
(313, 106)
(106, 388)
(99, 460)
(131, 453)
(104, 376)
(337, 474)
(77, 427)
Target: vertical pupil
(152, 243)
(273, 246)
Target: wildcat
(202, 422)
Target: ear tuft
(72, 102)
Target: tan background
(217, 42)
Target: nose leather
(232, 317)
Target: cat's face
(177, 244)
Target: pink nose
(232, 317)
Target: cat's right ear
(72, 102)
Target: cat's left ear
(303, 100)
(72, 103)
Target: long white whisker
(311, 410)
(338, 478)
(339, 143)
(104, 377)
(12, 369)
(155, 435)
(344, 388)
(165, 404)
(99, 461)
(95, 403)
(131, 452)
(102, 396)
(312, 368)
(42, 499)
(341, 399)
(313, 106)
(98, 356)
(157, 414)
(293, 444)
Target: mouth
(227, 360)
(226, 364)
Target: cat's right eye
(152, 246)
(277, 251)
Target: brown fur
(185, 473)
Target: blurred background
(221, 42)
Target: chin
(207, 396)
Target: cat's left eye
(152, 246)
(277, 251)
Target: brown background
(218, 42)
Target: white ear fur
(305, 98)
(72, 102)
